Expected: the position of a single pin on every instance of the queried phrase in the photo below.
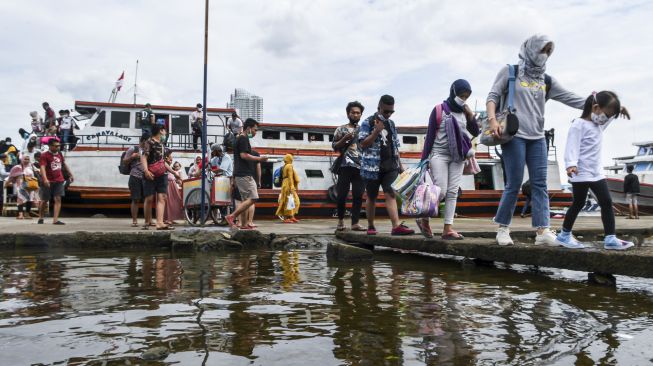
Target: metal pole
(204, 163)
(135, 81)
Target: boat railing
(174, 141)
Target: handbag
(30, 184)
(405, 183)
(471, 166)
(506, 119)
(425, 200)
(158, 168)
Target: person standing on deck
(243, 171)
(583, 164)
(631, 189)
(135, 184)
(345, 141)
(52, 164)
(448, 144)
(528, 146)
(147, 118)
(196, 125)
(50, 117)
(381, 164)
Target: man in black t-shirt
(244, 172)
(631, 189)
(146, 117)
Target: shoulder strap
(547, 83)
(438, 118)
(512, 72)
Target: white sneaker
(548, 237)
(503, 236)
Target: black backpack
(125, 169)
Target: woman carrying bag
(288, 198)
(26, 186)
(452, 125)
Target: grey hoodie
(529, 101)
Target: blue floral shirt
(371, 156)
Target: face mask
(459, 101)
(600, 119)
(540, 59)
(250, 135)
(164, 138)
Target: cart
(217, 200)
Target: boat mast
(135, 81)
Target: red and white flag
(119, 81)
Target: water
(290, 308)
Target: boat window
(180, 124)
(411, 140)
(120, 119)
(330, 137)
(271, 135)
(295, 136)
(314, 173)
(99, 121)
(650, 151)
(483, 180)
(267, 173)
(642, 150)
(641, 167)
(315, 137)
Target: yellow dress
(288, 186)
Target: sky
(307, 59)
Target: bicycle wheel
(193, 207)
(218, 213)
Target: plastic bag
(290, 204)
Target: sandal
(134, 224)
(145, 227)
(167, 227)
(424, 228)
(58, 223)
(452, 235)
(357, 227)
(340, 227)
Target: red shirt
(53, 166)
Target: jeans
(350, 176)
(526, 203)
(66, 139)
(447, 175)
(602, 193)
(518, 153)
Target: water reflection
(290, 308)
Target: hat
(217, 147)
(33, 114)
(199, 105)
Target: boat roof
(645, 143)
(80, 103)
(299, 127)
(624, 157)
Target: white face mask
(540, 59)
(601, 119)
(460, 101)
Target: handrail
(175, 141)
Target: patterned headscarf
(528, 55)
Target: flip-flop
(58, 223)
(135, 224)
(165, 228)
(452, 236)
(145, 227)
(358, 228)
(340, 227)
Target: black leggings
(600, 189)
(27, 205)
(349, 175)
(196, 137)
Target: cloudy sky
(307, 59)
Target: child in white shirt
(583, 164)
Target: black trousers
(196, 137)
(27, 205)
(600, 189)
(346, 177)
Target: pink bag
(471, 166)
(425, 200)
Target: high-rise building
(247, 104)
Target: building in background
(247, 104)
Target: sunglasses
(386, 111)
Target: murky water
(291, 308)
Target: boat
(110, 128)
(642, 162)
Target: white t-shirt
(236, 126)
(66, 123)
(583, 150)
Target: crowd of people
(368, 159)
(370, 156)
